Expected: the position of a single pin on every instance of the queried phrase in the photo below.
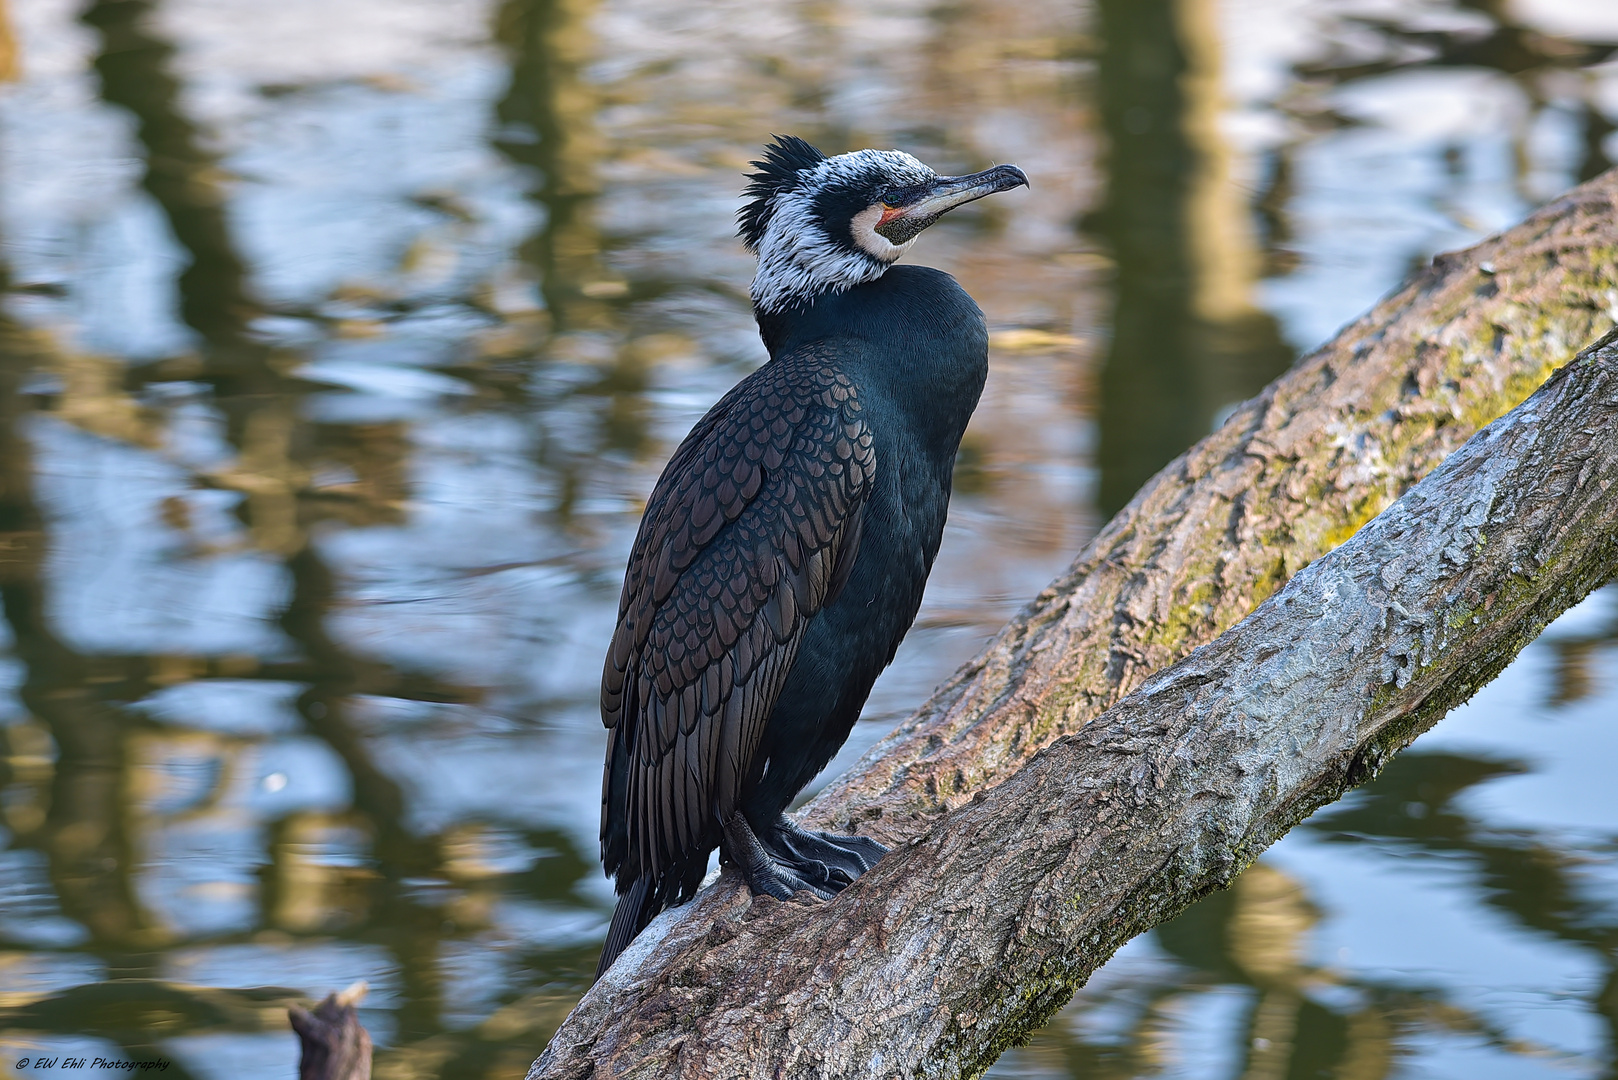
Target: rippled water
(340, 342)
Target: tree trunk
(972, 935)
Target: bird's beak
(914, 210)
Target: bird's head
(823, 224)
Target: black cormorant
(785, 548)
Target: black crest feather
(784, 158)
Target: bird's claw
(787, 859)
(830, 861)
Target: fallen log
(960, 943)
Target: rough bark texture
(959, 944)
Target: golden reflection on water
(10, 60)
(339, 346)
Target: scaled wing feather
(752, 529)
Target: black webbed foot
(763, 869)
(830, 861)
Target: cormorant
(784, 551)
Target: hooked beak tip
(996, 179)
(901, 224)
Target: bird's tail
(636, 908)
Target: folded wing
(752, 529)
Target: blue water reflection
(340, 343)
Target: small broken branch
(335, 1045)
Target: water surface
(341, 342)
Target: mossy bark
(1000, 900)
